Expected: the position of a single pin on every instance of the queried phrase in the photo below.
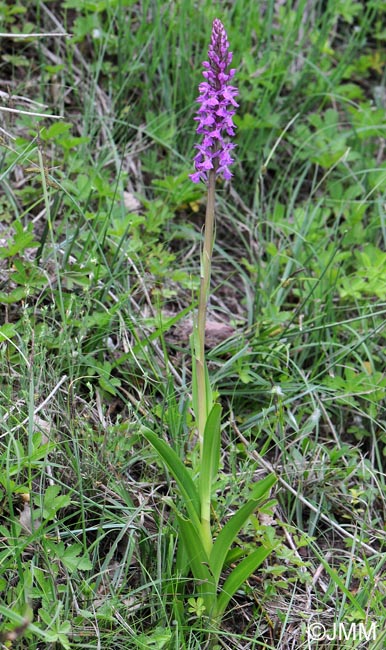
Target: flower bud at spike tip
(217, 104)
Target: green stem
(203, 391)
(206, 265)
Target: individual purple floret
(215, 114)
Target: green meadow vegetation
(100, 239)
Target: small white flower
(315, 416)
(276, 390)
(110, 344)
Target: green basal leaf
(208, 387)
(238, 576)
(228, 534)
(261, 489)
(180, 474)
(198, 561)
(211, 452)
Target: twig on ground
(41, 406)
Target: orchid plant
(206, 551)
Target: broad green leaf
(182, 560)
(156, 639)
(238, 576)
(261, 489)
(228, 534)
(180, 475)
(211, 447)
(53, 501)
(70, 556)
(7, 331)
(22, 239)
(55, 130)
(198, 560)
(73, 560)
(208, 388)
(13, 296)
(210, 459)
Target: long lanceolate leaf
(209, 467)
(211, 449)
(238, 576)
(199, 564)
(180, 474)
(228, 534)
(202, 400)
(209, 462)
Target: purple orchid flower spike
(217, 104)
